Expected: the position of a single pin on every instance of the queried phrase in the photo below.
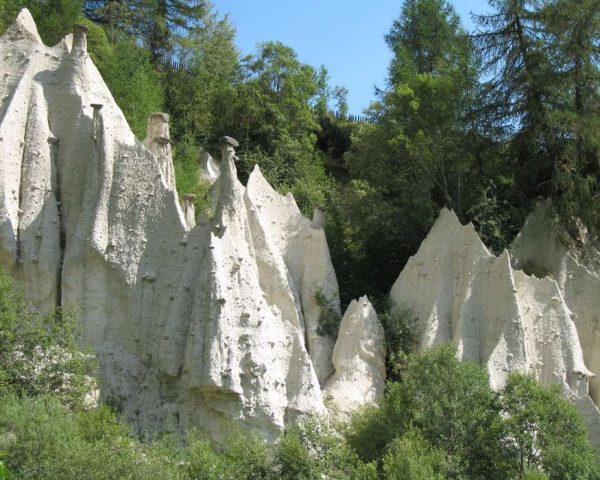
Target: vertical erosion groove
(54, 145)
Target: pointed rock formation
(497, 316)
(24, 28)
(359, 361)
(303, 257)
(189, 210)
(194, 326)
(538, 250)
(158, 141)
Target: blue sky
(346, 36)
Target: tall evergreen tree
(417, 155)
(201, 83)
(425, 37)
(573, 35)
(542, 58)
(160, 24)
(169, 20)
(521, 86)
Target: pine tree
(159, 24)
(572, 32)
(418, 152)
(521, 86)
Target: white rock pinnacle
(359, 360)
(195, 325)
(497, 316)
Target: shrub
(312, 451)
(187, 169)
(544, 432)
(40, 353)
(44, 439)
(449, 403)
(329, 321)
(399, 326)
(411, 457)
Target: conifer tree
(160, 24)
(521, 86)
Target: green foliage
(534, 475)
(420, 151)
(411, 457)
(545, 431)
(448, 402)
(131, 79)
(204, 462)
(312, 451)
(40, 353)
(246, 457)
(334, 140)
(4, 471)
(201, 88)
(543, 69)
(158, 24)
(54, 18)
(44, 440)
(495, 219)
(330, 318)
(442, 420)
(187, 175)
(424, 38)
(399, 325)
(294, 458)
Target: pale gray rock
(194, 326)
(500, 317)
(301, 255)
(538, 250)
(359, 361)
(226, 141)
(189, 210)
(158, 141)
(209, 169)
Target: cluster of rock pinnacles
(199, 322)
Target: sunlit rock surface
(196, 323)
(359, 379)
(538, 250)
(496, 315)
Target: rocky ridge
(196, 322)
(502, 317)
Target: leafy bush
(497, 221)
(126, 69)
(448, 402)
(43, 439)
(329, 321)
(40, 353)
(411, 457)
(442, 420)
(399, 326)
(545, 432)
(187, 169)
(312, 451)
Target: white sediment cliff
(500, 316)
(195, 324)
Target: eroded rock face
(498, 316)
(538, 250)
(359, 361)
(194, 325)
(158, 141)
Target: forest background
(483, 122)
